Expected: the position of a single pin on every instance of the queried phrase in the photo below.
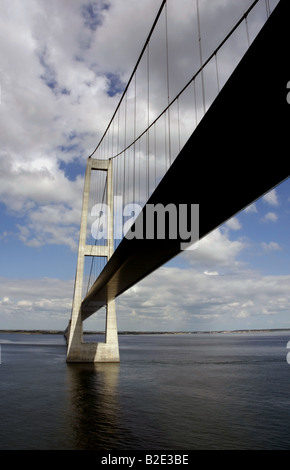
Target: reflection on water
(94, 405)
(168, 392)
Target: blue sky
(61, 79)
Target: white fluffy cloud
(214, 291)
(63, 66)
(271, 198)
(270, 217)
(54, 107)
(191, 298)
(271, 246)
(234, 223)
(216, 251)
(35, 303)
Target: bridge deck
(237, 153)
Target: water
(175, 392)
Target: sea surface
(176, 392)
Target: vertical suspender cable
(168, 88)
(268, 9)
(116, 168)
(139, 168)
(217, 72)
(135, 118)
(155, 156)
(200, 54)
(165, 141)
(148, 122)
(124, 156)
(247, 30)
(178, 123)
(195, 104)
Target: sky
(64, 65)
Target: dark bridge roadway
(238, 152)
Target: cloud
(216, 251)
(213, 291)
(28, 303)
(272, 246)
(56, 113)
(186, 298)
(92, 14)
(270, 217)
(252, 208)
(62, 75)
(234, 224)
(63, 67)
(51, 224)
(46, 203)
(271, 198)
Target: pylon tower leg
(77, 349)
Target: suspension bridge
(181, 164)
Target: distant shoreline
(59, 332)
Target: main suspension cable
(132, 75)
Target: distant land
(59, 332)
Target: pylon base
(93, 352)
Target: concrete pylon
(77, 350)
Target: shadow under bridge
(238, 152)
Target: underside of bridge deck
(238, 152)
